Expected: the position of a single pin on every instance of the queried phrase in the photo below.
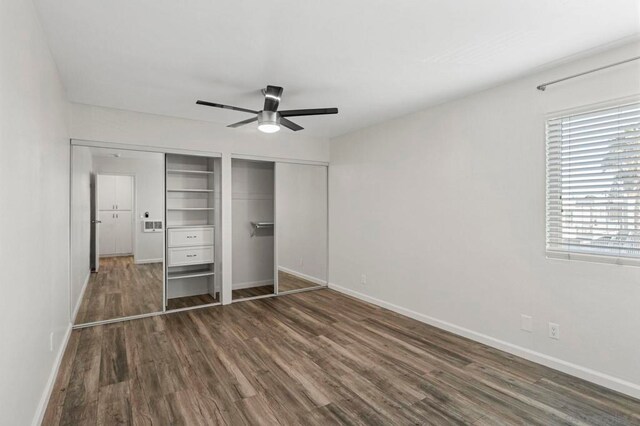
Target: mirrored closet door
(117, 233)
(301, 215)
(253, 228)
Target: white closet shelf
(188, 226)
(189, 274)
(189, 190)
(190, 208)
(201, 172)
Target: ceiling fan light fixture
(268, 122)
(268, 128)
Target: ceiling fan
(270, 119)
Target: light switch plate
(554, 330)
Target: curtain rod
(543, 86)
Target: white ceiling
(373, 59)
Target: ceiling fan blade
(212, 104)
(290, 124)
(272, 95)
(243, 122)
(312, 111)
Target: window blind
(593, 183)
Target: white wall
(81, 169)
(444, 210)
(253, 256)
(301, 217)
(149, 197)
(34, 210)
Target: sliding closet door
(127, 189)
(252, 229)
(301, 214)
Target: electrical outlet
(51, 342)
(363, 279)
(554, 330)
(526, 323)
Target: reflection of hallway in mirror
(288, 282)
(121, 288)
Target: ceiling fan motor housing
(268, 117)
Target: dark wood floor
(310, 358)
(288, 282)
(190, 301)
(121, 288)
(252, 292)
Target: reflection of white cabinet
(115, 192)
(107, 241)
(115, 233)
(124, 192)
(115, 202)
(124, 239)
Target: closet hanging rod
(260, 225)
(543, 86)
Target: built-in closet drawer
(178, 256)
(184, 237)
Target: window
(593, 185)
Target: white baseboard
(241, 286)
(144, 261)
(302, 276)
(79, 301)
(597, 377)
(115, 255)
(48, 390)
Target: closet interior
(253, 217)
(193, 217)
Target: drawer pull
(192, 236)
(192, 255)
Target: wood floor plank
(113, 362)
(311, 358)
(114, 405)
(121, 288)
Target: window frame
(557, 254)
